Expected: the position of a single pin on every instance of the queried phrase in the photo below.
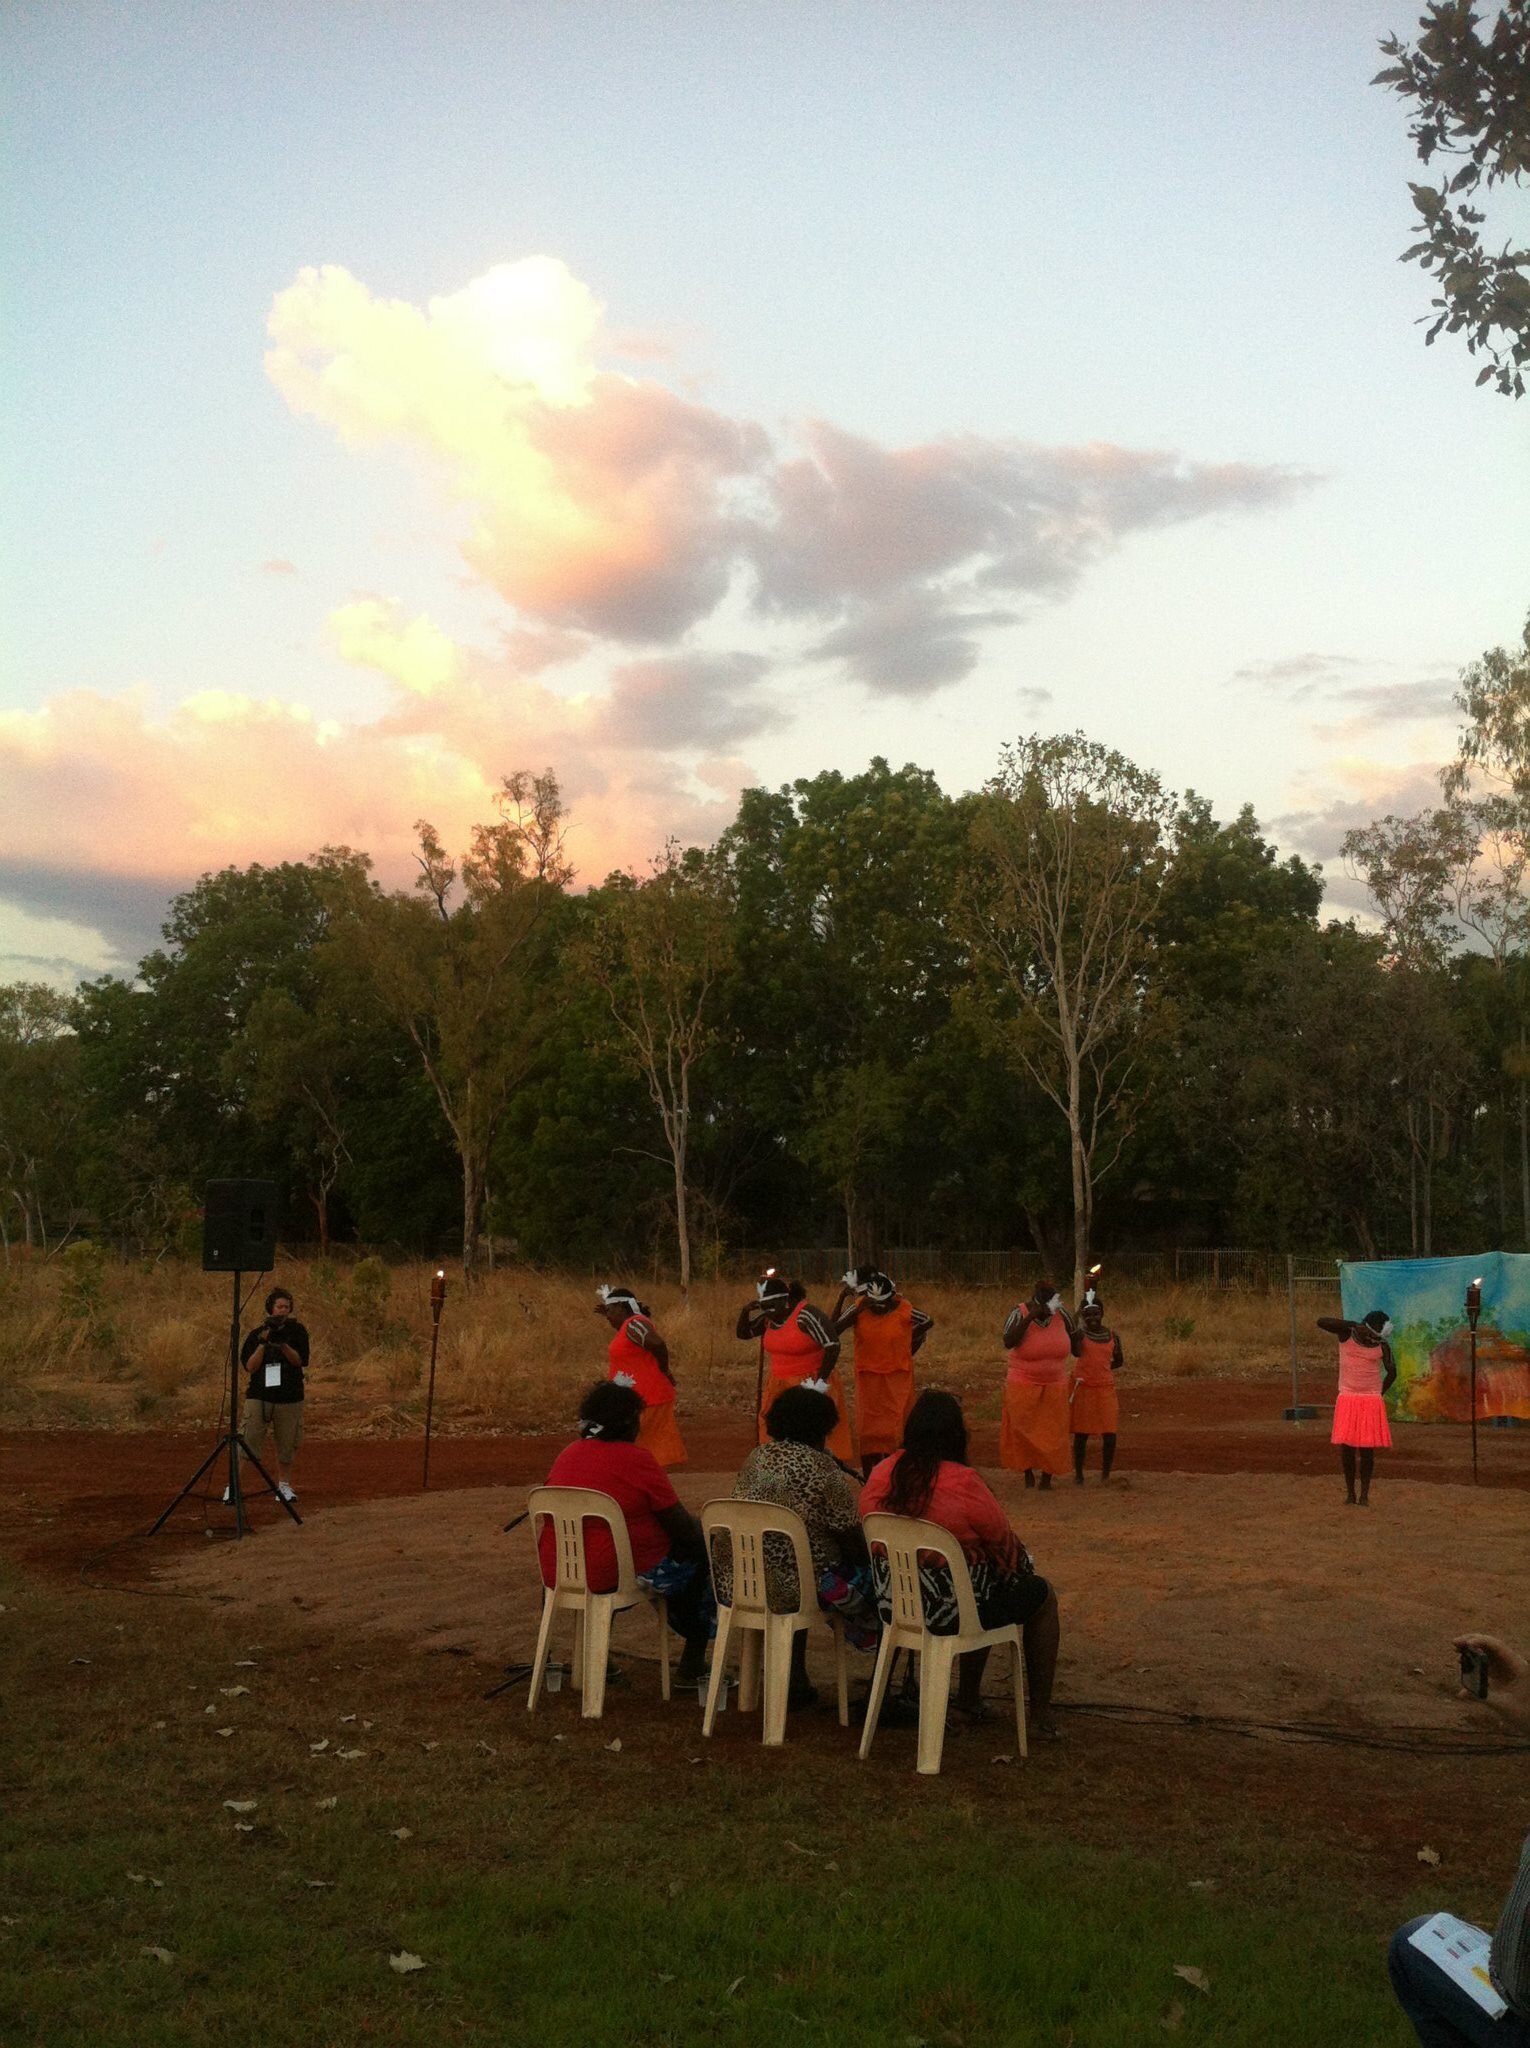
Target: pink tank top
(1043, 1355)
(1359, 1368)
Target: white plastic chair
(901, 1538)
(745, 1524)
(568, 1508)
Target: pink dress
(1360, 1414)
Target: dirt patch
(1262, 1597)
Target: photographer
(1442, 2014)
(276, 1353)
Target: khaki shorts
(284, 1417)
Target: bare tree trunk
(682, 1220)
(321, 1212)
(1524, 1147)
(472, 1206)
(1412, 1181)
(1503, 1167)
(1080, 1187)
(1428, 1231)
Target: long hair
(935, 1434)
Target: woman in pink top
(1366, 1370)
(930, 1480)
(1033, 1427)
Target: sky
(690, 396)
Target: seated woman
(667, 1549)
(931, 1480)
(792, 1469)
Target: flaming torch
(759, 1377)
(437, 1303)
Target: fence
(1215, 1270)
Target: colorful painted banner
(1431, 1340)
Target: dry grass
(149, 1348)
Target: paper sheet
(273, 1375)
(1461, 1951)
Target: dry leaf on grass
(1006, 1758)
(160, 1955)
(244, 1827)
(317, 1748)
(400, 1834)
(429, 1746)
(327, 1805)
(241, 1805)
(233, 1692)
(404, 1962)
(1203, 1884)
(79, 1660)
(1428, 1855)
(615, 1747)
(488, 1749)
(666, 1977)
(349, 1756)
(140, 1877)
(799, 1848)
(244, 1663)
(1174, 2012)
(1196, 1978)
(225, 1732)
(733, 1987)
(320, 1884)
(346, 1717)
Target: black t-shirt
(290, 1384)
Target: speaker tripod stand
(230, 1442)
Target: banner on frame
(1431, 1340)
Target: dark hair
(799, 1416)
(1377, 1320)
(1044, 1290)
(611, 1413)
(935, 1434)
(277, 1294)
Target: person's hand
(1508, 1676)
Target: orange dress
(795, 1355)
(658, 1430)
(1033, 1434)
(884, 1375)
(1094, 1408)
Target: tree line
(1069, 1010)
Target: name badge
(273, 1375)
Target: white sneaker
(284, 1490)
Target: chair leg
(749, 1670)
(719, 1662)
(934, 1697)
(1019, 1668)
(879, 1678)
(576, 1668)
(841, 1672)
(777, 1634)
(597, 1653)
(663, 1607)
(544, 1637)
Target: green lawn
(560, 1892)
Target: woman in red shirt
(1092, 1405)
(667, 1551)
(638, 1356)
(931, 1480)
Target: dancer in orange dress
(801, 1349)
(888, 1334)
(1366, 1370)
(1092, 1403)
(638, 1357)
(1033, 1435)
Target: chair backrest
(568, 1508)
(746, 1524)
(902, 1538)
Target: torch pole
(437, 1303)
(1474, 1403)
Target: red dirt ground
(69, 1494)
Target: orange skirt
(839, 1444)
(1033, 1435)
(1094, 1411)
(659, 1432)
(882, 1402)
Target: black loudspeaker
(240, 1222)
